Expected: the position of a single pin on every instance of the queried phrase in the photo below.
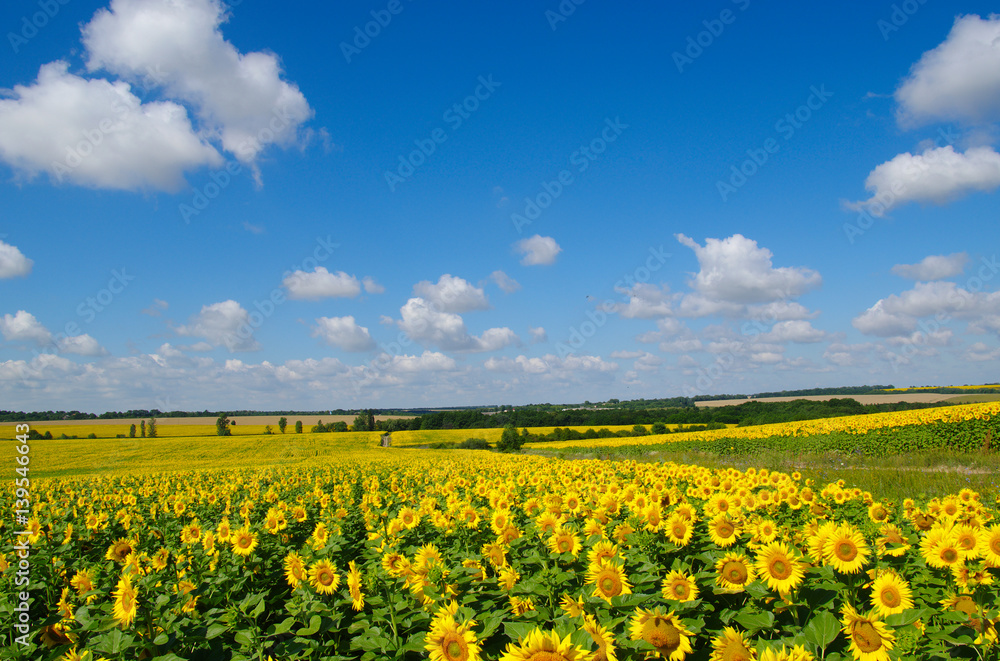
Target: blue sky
(252, 206)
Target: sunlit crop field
(327, 547)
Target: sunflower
(779, 566)
(733, 572)
(891, 543)
(295, 569)
(941, 552)
(663, 631)
(678, 586)
(967, 539)
(572, 607)
(323, 576)
(521, 605)
(609, 580)
(354, 586)
(449, 641)
(223, 530)
(797, 653)
(890, 594)
(603, 638)
(870, 639)
(989, 545)
(495, 554)
(125, 601)
(539, 645)
(395, 564)
(722, 530)
(731, 645)
(846, 550)
(679, 529)
(564, 540)
(120, 549)
(83, 582)
(602, 550)
(878, 513)
(244, 541)
(159, 560)
(53, 635)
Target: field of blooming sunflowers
(393, 553)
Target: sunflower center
(661, 634)
(545, 655)
(866, 637)
(681, 590)
(735, 572)
(967, 542)
(564, 545)
(780, 569)
(609, 585)
(454, 648)
(846, 551)
(890, 596)
(725, 529)
(949, 555)
(325, 577)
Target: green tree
(361, 423)
(509, 440)
(340, 425)
(268, 430)
(298, 426)
(142, 428)
(222, 425)
(131, 431)
(659, 428)
(282, 423)
(151, 428)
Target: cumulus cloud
(81, 345)
(848, 355)
(179, 48)
(537, 334)
(933, 267)
(938, 175)
(320, 283)
(97, 133)
(799, 331)
(13, 263)
(343, 332)
(551, 365)
(452, 294)
(156, 309)
(372, 287)
(538, 250)
(22, 326)
(506, 283)
(959, 80)
(736, 270)
(226, 323)
(645, 301)
(899, 314)
(428, 325)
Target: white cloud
(552, 366)
(848, 355)
(959, 80)
(933, 267)
(538, 250)
(736, 270)
(645, 301)
(537, 334)
(899, 314)
(938, 175)
(372, 287)
(13, 263)
(877, 320)
(177, 46)
(156, 309)
(97, 133)
(508, 284)
(428, 361)
(799, 331)
(22, 326)
(780, 311)
(81, 345)
(452, 294)
(225, 323)
(320, 283)
(428, 325)
(343, 332)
